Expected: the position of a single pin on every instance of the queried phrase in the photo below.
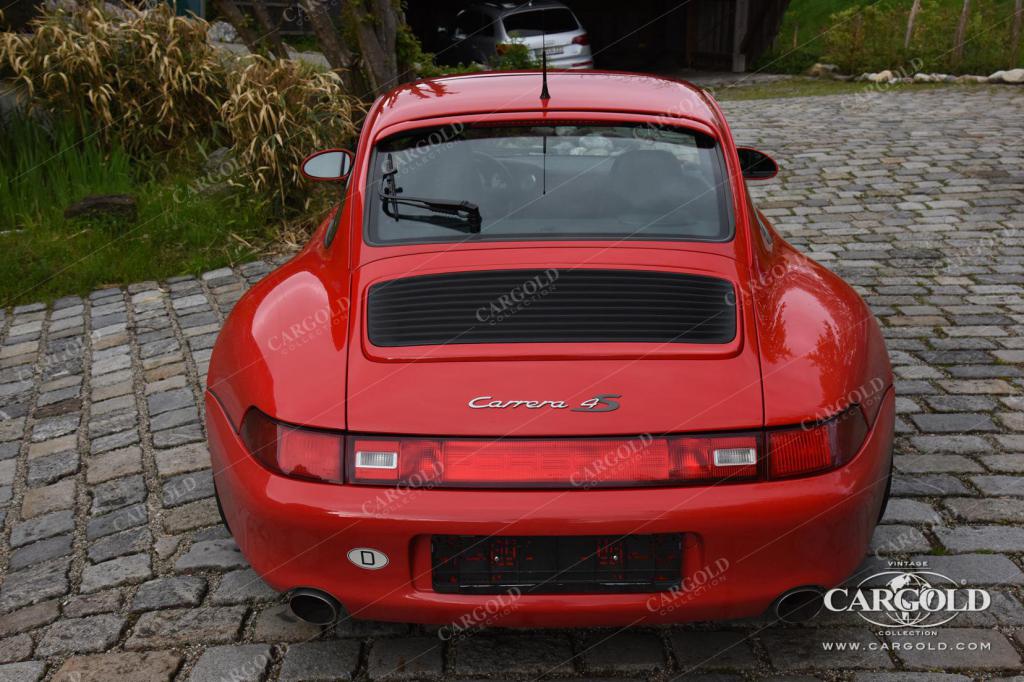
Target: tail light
(822, 446)
(291, 450)
(332, 457)
(564, 462)
(582, 39)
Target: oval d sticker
(364, 557)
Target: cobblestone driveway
(115, 567)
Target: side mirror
(757, 165)
(328, 165)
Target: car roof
(501, 9)
(519, 91)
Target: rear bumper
(745, 543)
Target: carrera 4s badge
(605, 402)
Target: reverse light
(332, 457)
(292, 450)
(818, 447)
(571, 462)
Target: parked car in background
(485, 30)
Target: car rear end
(543, 431)
(540, 556)
(589, 484)
(551, 29)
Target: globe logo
(907, 599)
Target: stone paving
(114, 565)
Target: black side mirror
(756, 165)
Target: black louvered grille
(551, 306)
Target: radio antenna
(544, 94)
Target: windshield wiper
(463, 216)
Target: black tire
(220, 510)
(888, 490)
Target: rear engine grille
(588, 564)
(551, 306)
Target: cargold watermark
(689, 588)
(518, 298)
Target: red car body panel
(296, 348)
(773, 535)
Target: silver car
(485, 29)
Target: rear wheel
(888, 490)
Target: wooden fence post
(910, 23)
(961, 33)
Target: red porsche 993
(547, 347)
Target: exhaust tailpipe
(799, 604)
(314, 606)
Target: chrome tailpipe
(799, 604)
(314, 606)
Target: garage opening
(640, 35)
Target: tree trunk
(910, 23)
(271, 38)
(338, 56)
(961, 32)
(1018, 17)
(376, 23)
(240, 23)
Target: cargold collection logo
(908, 597)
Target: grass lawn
(812, 87)
(178, 230)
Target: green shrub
(871, 38)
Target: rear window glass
(539, 22)
(586, 181)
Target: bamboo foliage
(151, 82)
(279, 112)
(148, 79)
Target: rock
(1015, 76)
(220, 554)
(178, 627)
(923, 78)
(81, 635)
(241, 662)
(165, 593)
(320, 661)
(32, 584)
(129, 569)
(29, 671)
(822, 70)
(151, 666)
(222, 32)
(30, 617)
(278, 624)
(122, 206)
(881, 77)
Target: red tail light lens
(581, 40)
(557, 463)
(291, 450)
(320, 455)
(822, 446)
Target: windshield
(551, 182)
(538, 22)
